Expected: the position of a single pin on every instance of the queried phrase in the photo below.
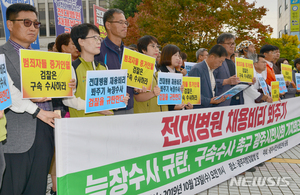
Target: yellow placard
(275, 90)
(45, 74)
(244, 69)
(192, 91)
(286, 71)
(140, 69)
(295, 16)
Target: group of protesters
(26, 132)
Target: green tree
(128, 6)
(192, 24)
(288, 46)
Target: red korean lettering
(252, 117)
(191, 127)
(26, 62)
(68, 65)
(38, 63)
(57, 64)
(232, 120)
(184, 138)
(170, 127)
(242, 121)
(52, 64)
(44, 63)
(126, 58)
(78, 15)
(60, 12)
(216, 123)
(32, 62)
(261, 115)
(271, 113)
(61, 21)
(66, 13)
(202, 124)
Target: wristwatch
(36, 112)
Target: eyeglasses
(28, 23)
(120, 22)
(230, 44)
(155, 46)
(97, 38)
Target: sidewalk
(286, 165)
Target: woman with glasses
(147, 101)
(87, 40)
(170, 59)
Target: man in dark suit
(204, 70)
(225, 74)
(29, 146)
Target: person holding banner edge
(29, 140)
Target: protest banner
(45, 74)
(244, 69)
(286, 71)
(105, 90)
(5, 98)
(66, 15)
(282, 85)
(4, 5)
(182, 152)
(192, 91)
(169, 84)
(263, 84)
(233, 91)
(275, 91)
(294, 15)
(140, 69)
(98, 19)
(297, 78)
(188, 66)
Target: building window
(51, 19)
(280, 34)
(280, 11)
(2, 34)
(286, 29)
(286, 4)
(91, 12)
(42, 19)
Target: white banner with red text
(176, 152)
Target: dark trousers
(26, 173)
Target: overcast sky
(271, 17)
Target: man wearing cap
(246, 49)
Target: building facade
(46, 17)
(288, 17)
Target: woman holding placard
(147, 101)
(170, 59)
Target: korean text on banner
(282, 86)
(286, 71)
(275, 90)
(297, 78)
(140, 69)
(263, 84)
(191, 92)
(244, 69)
(98, 19)
(45, 74)
(66, 15)
(5, 98)
(184, 151)
(169, 84)
(188, 66)
(105, 90)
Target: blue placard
(4, 5)
(297, 78)
(188, 66)
(263, 84)
(169, 84)
(5, 98)
(282, 86)
(105, 89)
(233, 91)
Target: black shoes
(52, 192)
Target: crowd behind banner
(107, 78)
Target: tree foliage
(288, 46)
(192, 24)
(128, 6)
